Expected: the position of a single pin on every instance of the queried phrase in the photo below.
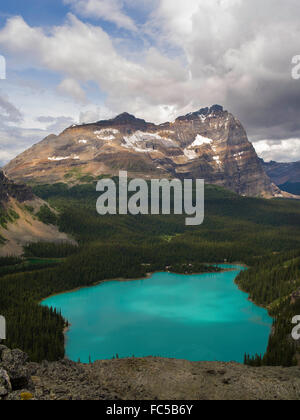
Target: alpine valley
(53, 241)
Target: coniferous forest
(263, 234)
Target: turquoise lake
(193, 317)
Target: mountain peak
(215, 110)
(125, 116)
(122, 119)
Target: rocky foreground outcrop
(142, 379)
(210, 144)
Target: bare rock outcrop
(142, 379)
(14, 373)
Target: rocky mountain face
(9, 189)
(142, 379)
(285, 175)
(19, 224)
(210, 143)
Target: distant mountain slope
(210, 143)
(285, 175)
(19, 219)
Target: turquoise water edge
(194, 317)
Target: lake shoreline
(148, 276)
(225, 267)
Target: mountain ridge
(285, 175)
(209, 143)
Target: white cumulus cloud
(72, 88)
(109, 10)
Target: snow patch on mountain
(200, 141)
(238, 155)
(168, 132)
(202, 118)
(218, 160)
(106, 134)
(190, 154)
(60, 158)
(138, 141)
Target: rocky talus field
(142, 379)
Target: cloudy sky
(71, 61)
